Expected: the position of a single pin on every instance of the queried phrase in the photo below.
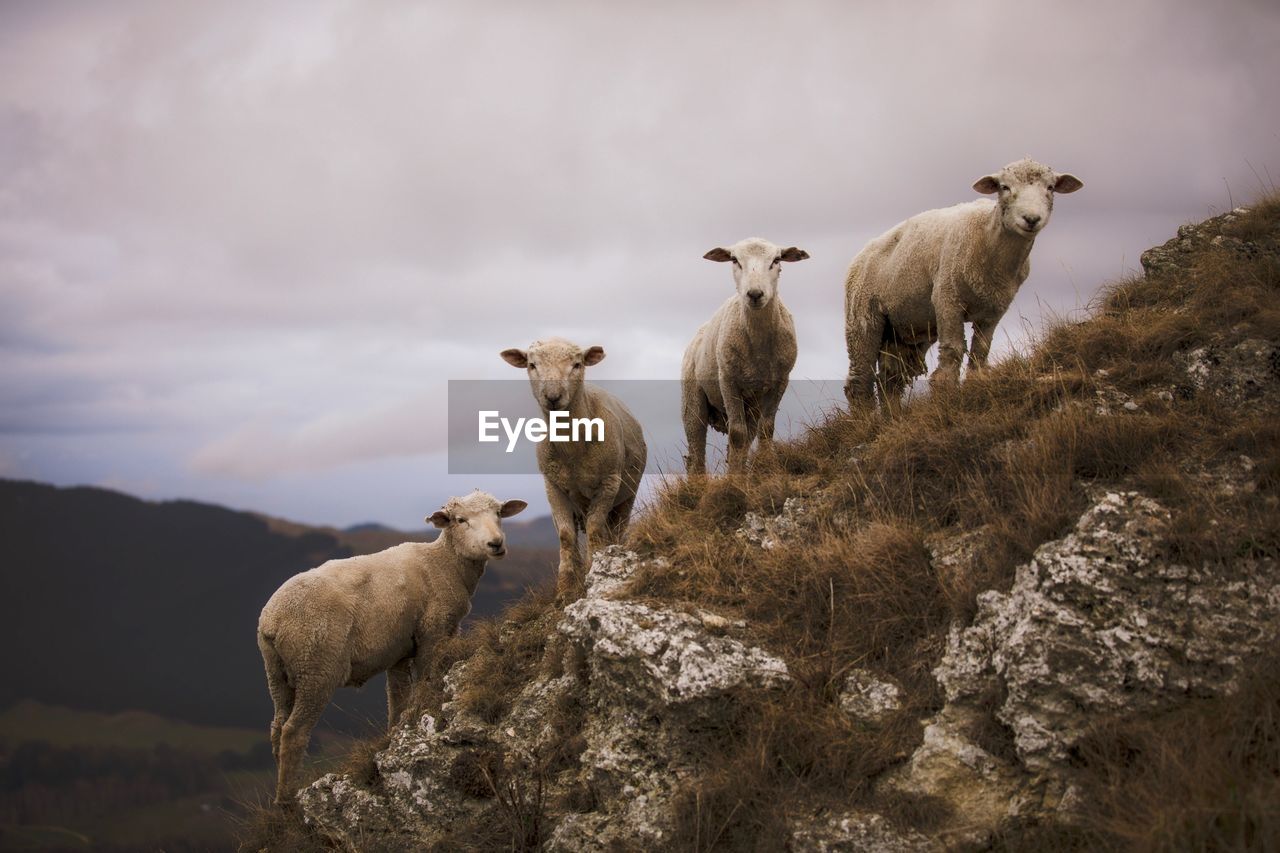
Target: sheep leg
(309, 702)
(892, 376)
(562, 515)
(696, 415)
(399, 683)
(598, 532)
(863, 334)
(769, 414)
(950, 343)
(281, 692)
(739, 432)
(619, 518)
(983, 333)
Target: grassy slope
(1008, 457)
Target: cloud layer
(260, 240)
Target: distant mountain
(111, 603)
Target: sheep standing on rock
(921, 281)
(591, 484)
(738, 364)
(346, 621)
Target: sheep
(346, 621)
(591, 485)
(921, 281)
(736, 368)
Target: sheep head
(757, 264)
(474, 524)
(1024, 194)
(556, 370)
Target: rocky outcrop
(1098, 623)
(1193, 239)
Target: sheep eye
(461, 520)
(577, 365)
(736, 264)
(777, 261)
(1004, 188)
(533, 366)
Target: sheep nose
(1031, 219)
(495, 544)
(553, 399)
(755, 295)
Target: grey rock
(869, 698)
(855, 832)
(770, 532)
(1099, 622)
(666, 657)
(612, 568)
(1236, 374)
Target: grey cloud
(234, 223)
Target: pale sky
(243, 245)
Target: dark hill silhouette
(109, 603)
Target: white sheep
(591, 485)
(346, 621)
(921, 281)
(737, 366)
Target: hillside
(1035, 612)
(113, 603)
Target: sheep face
(1024, 193)
(474, 524)
(556, 368)
(756, 266)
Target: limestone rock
(770, 532)
(662, 657)
(869, 698)
(1100, 622)
(854, 832)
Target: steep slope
(1034, 612)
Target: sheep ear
(1067, 184)
(439, 518)
(515, 357)
(987, 184)
(718, 254)
(593, 355)
(511, 508)
(793, 254)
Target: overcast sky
(242, 249)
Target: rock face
(1099, 622)
(653, 675)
